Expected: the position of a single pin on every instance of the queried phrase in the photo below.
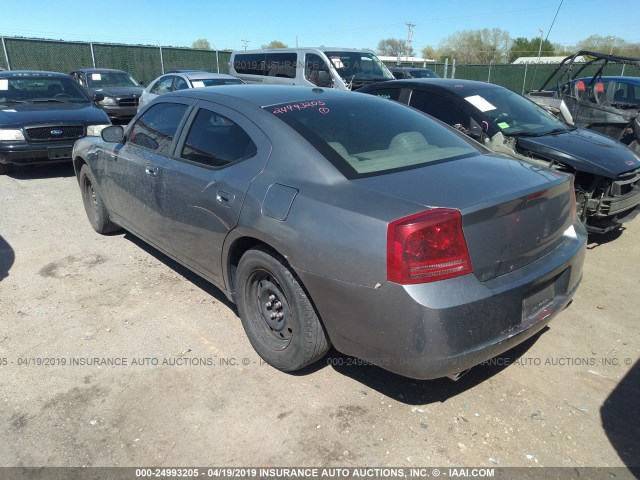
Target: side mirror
(113, 134)
(98, 97)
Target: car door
(204, 185)
(134, 168)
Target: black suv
(121, 92)
(42, 114)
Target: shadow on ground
(620, 416)
(7, 257)
(37, 172)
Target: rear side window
(249, 63)
(389, 93)
(181, 84)
(363, 135)
(157, 127)
(215, 141)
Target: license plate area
(59, 153)
(538, 304)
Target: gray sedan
(335, 218)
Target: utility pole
(245, 43)
(409, 37)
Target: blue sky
(342, 23)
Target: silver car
(182, 80)
(335, 218)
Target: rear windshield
(40, 89)
(364, 135)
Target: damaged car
(335, 218)
(582, 91)
(606, 173)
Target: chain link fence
(146, 62)
(143, 62)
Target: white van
(341, 68)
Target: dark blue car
(42, 114)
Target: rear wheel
(276, 313)
(97, 212)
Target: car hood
(116, 91)
(585, 150)
(52, 113)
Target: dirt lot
(189, 390)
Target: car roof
(260, 95)
(198, 74)
(32, 73)
(409, 68)
(97, 70)
(450, 84)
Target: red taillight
(427, 247)
(573, 200)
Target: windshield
(363, 135)
(510, 113)
(110, 79)
(359, 66)
(35, 89)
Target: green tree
(393, 47)
(275, 44)
(523, 47)
(610, 44)
(477, 46)
(430, 52)
(201, 44)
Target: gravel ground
(185, 388)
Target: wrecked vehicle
(606, 173)
(587, 94)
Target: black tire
(266, 288)
(97, 212)
(5, 168)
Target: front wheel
(95, 208)
(276, 313)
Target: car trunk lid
(513, 213)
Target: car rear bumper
(440, 329)
(29, 153)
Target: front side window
(180, 84)
(364, 136)
(157, 127)
(441, 108)
(216, 141)
(359, 66)
(316, 70)
(162, 86)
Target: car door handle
(225, 197)
(149, 170)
